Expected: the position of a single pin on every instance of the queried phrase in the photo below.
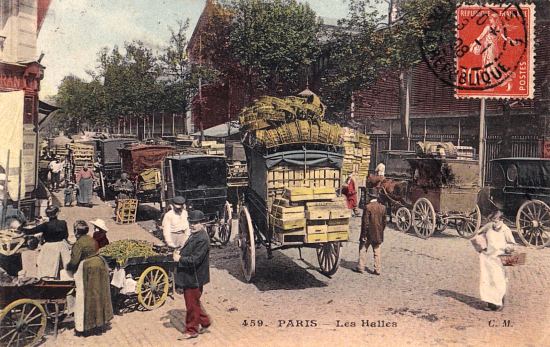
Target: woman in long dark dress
(93, 308)
(85, 180)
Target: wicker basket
(513, 259)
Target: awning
(221, 130)
(44, 110)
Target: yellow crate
(287, 224)
(337, 228)
(317, 229)
(318, 214)
(290, 236)
(126, 211)
(331, 196)
(323, 190)
(285, 210)
(338, 236)
(340, 213)
(315, 238)
(341, 221)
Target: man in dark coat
(193, 273)
(373, 224)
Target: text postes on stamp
(494, 51)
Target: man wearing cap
(100, 232)
(193, 273)
(55, 252)
(373, 224)
(175, 226)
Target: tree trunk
(405, 79)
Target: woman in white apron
(492, 279)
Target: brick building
(20, 70)
(435, 114)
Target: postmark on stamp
(492, 55)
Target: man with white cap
(100, 232)
(175, 224)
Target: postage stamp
(491, 55)
(494, 51)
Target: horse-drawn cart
(291, 203)
(202, 180)
(28, 307)
(442, 192)
(520, 187)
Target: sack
(479, 242)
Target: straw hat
(100, 223)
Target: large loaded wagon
(440, 191)
(143, 164)
(202, 180)
(294, 162)
(520, 187)
(109, 164)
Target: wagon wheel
(246, 243)
(152, 287)
(423, 218)
(533, 224)
(22, 323)
(224, 230)
(469, 225)
(403, 219)
(328, 256)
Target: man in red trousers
(193, 273)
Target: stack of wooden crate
(356, 153)
(61, 152)
(81, 154)
(310, 215)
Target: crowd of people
(185, 233)
(92, 302)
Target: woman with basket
(492, 241)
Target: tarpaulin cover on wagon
(310, 158)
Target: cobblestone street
(427, 295)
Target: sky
(74, 31)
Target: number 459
(252, 323)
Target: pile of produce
(269, 111)
(272, 121)
(122, 250)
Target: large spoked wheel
(152, 287)
(533, 224)
(470, 224)
(246, 244)
(224, 230)
(423, 218)
(403, 219)
(22, 323)
(328, 256)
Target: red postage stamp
(495, 51)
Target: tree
(80, 102)
(180, 77)
(274, 41)
(367, 46)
